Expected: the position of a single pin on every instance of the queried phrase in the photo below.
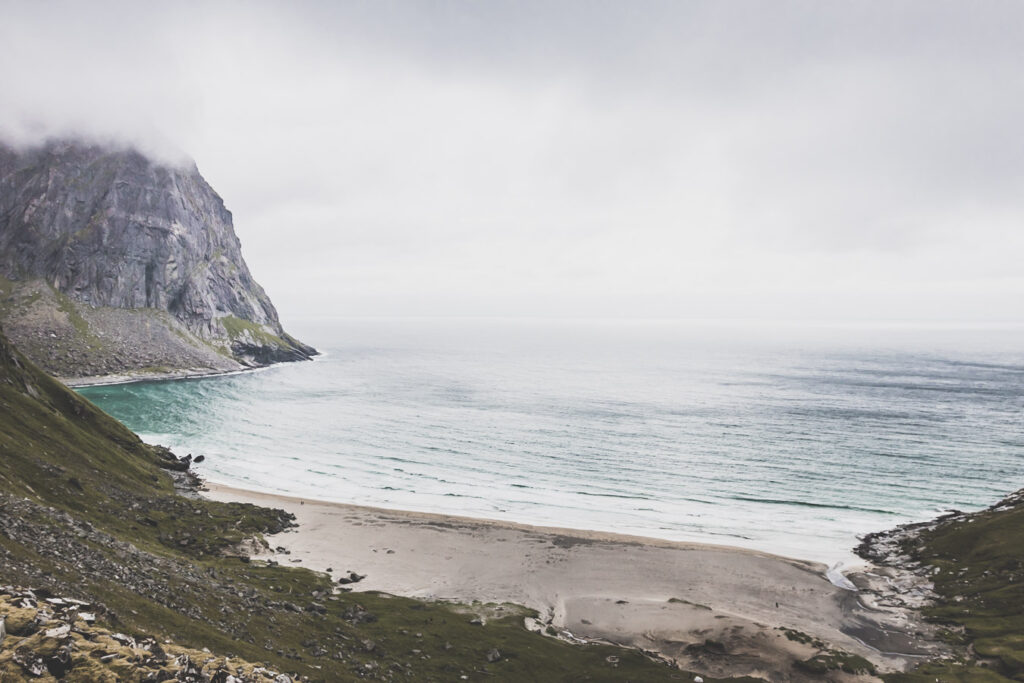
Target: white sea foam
(789, 441)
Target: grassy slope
(980, 581)
(60, 452)
(58, 449)
(237, 329)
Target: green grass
(68, 307)
(66, 456)
(801, 637)
(834, 660)
(237, 327)
(980, 581)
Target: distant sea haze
(786, 439)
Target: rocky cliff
(115, 263)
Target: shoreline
(661, 596)
(834, 568)
(131, 378)
(595, 535)
(195, 373)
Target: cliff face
(111, 229)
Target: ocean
(784, 438)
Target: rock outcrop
(57, 638)
(88, 233)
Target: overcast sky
(821, 160)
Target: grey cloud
(654, 158)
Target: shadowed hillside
(89, 512)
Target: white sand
(598, 585)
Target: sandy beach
(715, 609)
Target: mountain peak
(100, 231)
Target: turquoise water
(786, 439)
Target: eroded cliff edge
(112, 263)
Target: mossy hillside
(68, 308)
(978, 562)
(50, 436)
(250, 332)
(103, 522)
(60, 450)
(834, 660)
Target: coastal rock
(351, 578)
(111, 262)
(80, 651)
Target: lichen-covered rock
(77, 650)
(111, 229)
